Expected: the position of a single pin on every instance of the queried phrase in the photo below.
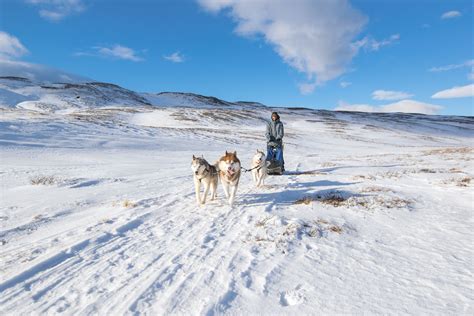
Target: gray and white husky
(206, 174)
(259, 168)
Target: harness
(248, 170)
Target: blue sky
(361, 55)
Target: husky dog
(229, 172)
(206, 174)
(259, 168)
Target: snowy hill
(196, 100)
(98, 214)
(23, 93)
(37, 73)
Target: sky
(364, 55)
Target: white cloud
(456, 92)
(404, 106)
(120, 52)
(390, 95)
(11, 47)
(176, 57)
(450, 15)
(372, 44)
(412, 106)
(469, 63)
(307, 87)
(345, 84)
(313, 36)
(56, 10)
(116, 51)
(344, 106)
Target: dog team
(228, 170)
(228, 167)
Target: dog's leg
(197, 188)
(225, 186)
(231, 196)
(264, 175)
(213, 190)
(254, 175)
(206, 190)
(233, 190)
(258, 178)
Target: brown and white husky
(206, 174)
(229, 173)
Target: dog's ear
(226, 153)
(194, 158)
(202, 156)
(235, 153)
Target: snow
(19, 92)
(176, 99)
(159, 118)
(98, 216)
(37, 72)
(8, 98)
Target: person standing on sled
(274, 136)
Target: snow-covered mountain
(37, 72)
(98, 215)
(20, 92)
(186, 99)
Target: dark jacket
(275, 131)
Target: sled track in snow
(131, 258)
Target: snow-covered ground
(98, 215)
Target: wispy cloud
(115, 52)
(314, 37)
(390, 95)
(56, 10)
(404, 106)
(456, 92)
(469, 63)
(120, 52)
(344, 106)
(372, 44)
(11, 47)
(450, 15)
(176, 57)
(345, 84)
(376, 45)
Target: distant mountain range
(40, 88)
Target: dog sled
(275, 159)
